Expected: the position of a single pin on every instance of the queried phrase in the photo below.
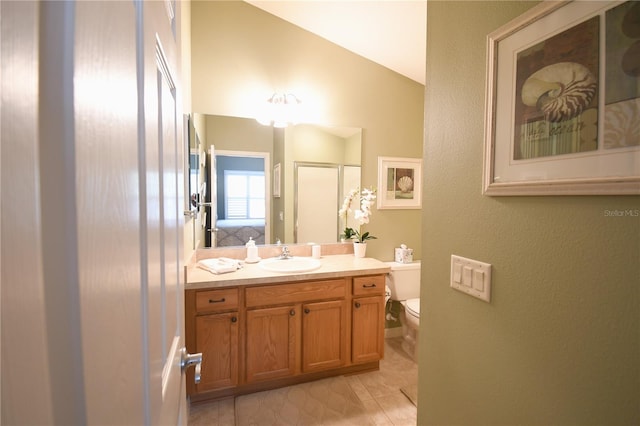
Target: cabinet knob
(368, 285)
(292, 312)
(234, 319)
(306, 310)
(217, 301)
(357, 304)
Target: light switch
(466, 275)
(471, 276)
(457, 272)
(478, 280)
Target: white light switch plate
(475, 279)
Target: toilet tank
(404, 280)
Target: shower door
(316, 202)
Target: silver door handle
(188, 359)
(204, 204)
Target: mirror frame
(190, 208)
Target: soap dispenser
(252, 251)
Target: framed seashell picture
(564, 115)
(399, 183)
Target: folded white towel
(220, 265)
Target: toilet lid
(413, 307)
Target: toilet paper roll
(387, 294)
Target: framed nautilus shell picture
(563, 101)
(399, 183)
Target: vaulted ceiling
(388, 32)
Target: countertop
(333, 266)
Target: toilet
(404, 286)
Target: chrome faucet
(285, 253)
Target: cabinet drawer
(371, 285)
(216, 300)
(295, 293)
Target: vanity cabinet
(324, 335)
(367, 319)
(216, 336)
(256, 337)
(272, 339)
(293, 328)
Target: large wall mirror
(273, 185)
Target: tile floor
(378, 391)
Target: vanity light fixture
(280, 110)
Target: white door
(161, 185)
(95, 214)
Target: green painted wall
(560, 341)
(315, 145)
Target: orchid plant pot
(359, 249)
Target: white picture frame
(399, 183)
(596, 170)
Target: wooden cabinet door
(271, 342)
(324, 335)
(367, 329)
(217, 340)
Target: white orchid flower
(361, 215)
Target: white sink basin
(291, 265)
